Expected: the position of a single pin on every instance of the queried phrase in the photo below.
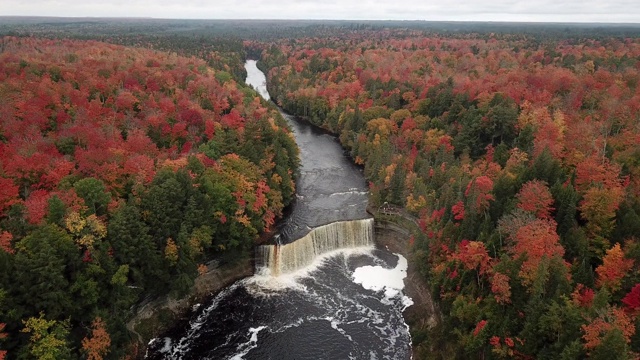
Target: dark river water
(346, 304)
(330, 188)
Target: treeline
(518, 157)
(270, 30)
(122, 172)
(216, 42)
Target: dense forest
(127, 164)
(122, 171)
(516, 155)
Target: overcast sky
(457, 10)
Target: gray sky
(458, 10)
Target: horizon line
(318, 19)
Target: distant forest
(287, 29)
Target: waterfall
(285, 258)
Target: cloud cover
(452, 10)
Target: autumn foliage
(631, 301)
(614, 267)
(536, 198)
(3, 353)
(500, 288)
(613, 319)
(535, 242)
(515, 155)
(121, 170)
(97, 345)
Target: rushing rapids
(281, 259)
(324, 292)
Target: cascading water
(281, 259)
(327, 295)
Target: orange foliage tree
(535, 241)
(479, 191)
(97, 345)
(473, 256)
(613, 319)
(614, 267)
(536, 198)
(5, 242)
(500, 288)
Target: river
(325, 293)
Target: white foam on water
(340, 307)
(377, 278)
(350, 192)
(174, 351)
(166, 348)
(406, 302)
(167, 345)
(244, 348)
(391, 282)
(334, 324)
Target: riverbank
(393, 232)
(329, 172)
(154, 317)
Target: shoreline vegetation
(509, 151)
(124, 172)
(153, 318)
(393, 229)
(513, 153)
(394, 232)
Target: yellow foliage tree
(85, 231)
(171, 251)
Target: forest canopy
(517, 157)
(122, 171)
(513, 148)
